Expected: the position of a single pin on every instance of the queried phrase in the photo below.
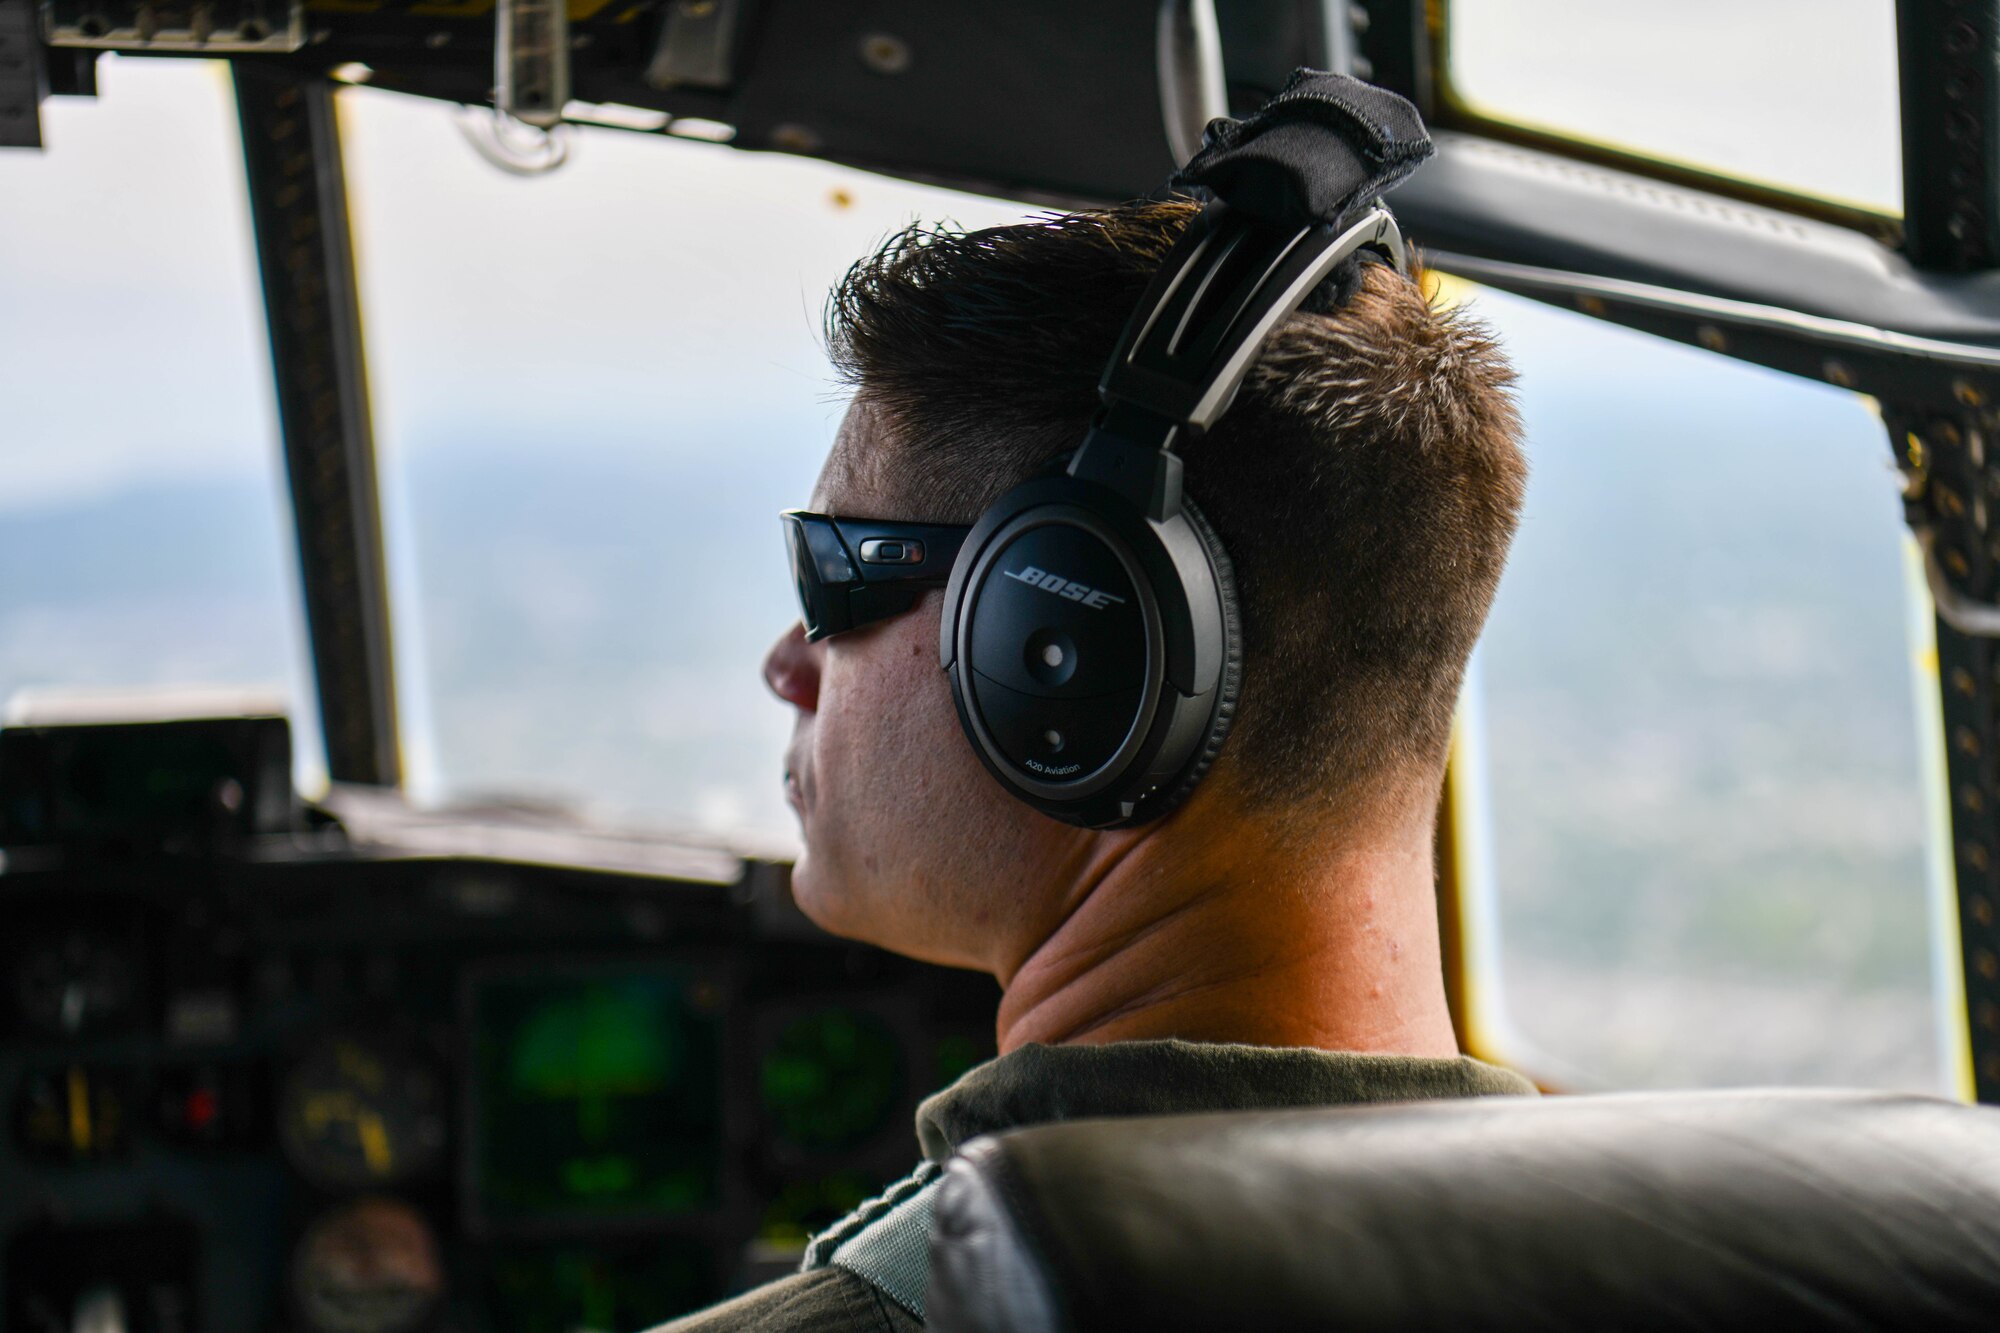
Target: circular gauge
(370, 1266)
(75, 983)
(832, 1079)
(357, 1112)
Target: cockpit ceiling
(1060, 102)
(1034, 97)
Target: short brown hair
(1366, 483)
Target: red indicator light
(201, 1108)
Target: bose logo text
(1095, 598)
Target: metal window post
(305, 255)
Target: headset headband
(1294, 192)
(1225, 287)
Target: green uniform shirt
(1038, 1084)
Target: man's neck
(1204, 930)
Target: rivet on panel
(885, 54)
(1966, 741)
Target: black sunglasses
(854, 571)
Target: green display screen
(596, 1096)
(832, 1079)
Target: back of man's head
(1366, 484)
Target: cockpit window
(144, 541)
(1799, 95)
(594, 390)
(1694, 730)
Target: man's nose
(791, 669)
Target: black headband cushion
(1323, 148)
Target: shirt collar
(1035, 1084)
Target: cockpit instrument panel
(302, 1083)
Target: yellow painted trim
(1940, 865)
(1468, 908)
(1464, 878)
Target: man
(1273, 941)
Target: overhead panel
(1037, 98)
(204, 27)
(887, 81)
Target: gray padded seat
(1709, 1210)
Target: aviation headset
(1090, 627)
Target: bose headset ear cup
(1228, 687)
(1141, 615)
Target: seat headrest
(1749, 1209)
